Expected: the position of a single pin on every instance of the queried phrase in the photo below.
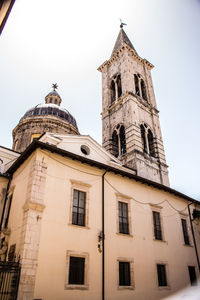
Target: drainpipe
(103, 238)
(194, 240)
(5, 202)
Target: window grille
(123, 218)
(78, 212)
(157, 225)
(185, 231)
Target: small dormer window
(55, 101)
(50, 100)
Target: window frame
(161, 262)
(82, 187)
(157, 208)
(124, 199)
(124, 224)
(79, 221)
(160, 279)
(185, 218)
(157, 226)
(131, 274)
(84, 255)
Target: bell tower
(130, 118)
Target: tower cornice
(116, 54)
(132, 97)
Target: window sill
(76, 287)
(124, 234)
(160, 288)
(162, 241)
(186, 245)
(79, 226)
(126, 287)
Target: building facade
(92, 222)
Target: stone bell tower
(130, 120)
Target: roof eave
(37, 144)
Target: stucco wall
(55, 237)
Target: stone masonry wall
(30, 233)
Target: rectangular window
(76, 270)
(192, 274)
(185, 232)
(78, 211)
(124, 274)
(162, 279)
(157, 225)
(123, 217)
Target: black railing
(9, 279)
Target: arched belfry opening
(119, 86)
(137, 89)
(122, 136)
(147, 140)
(115, 148)
(151, 143)
(144, 144)
(143, 88)
(115, 88)
(140, 87)
(112, 91)
(119, 141)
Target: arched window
(116, 88)
(137, 89)
(143, 88)
(122, 140)
(142, 129)
(112, 90)
(119, 141)
(115, 147)
(55, 101)
(151, 143)
(147, 140)
(119, 86)
(140, 88)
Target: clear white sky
(66, 41)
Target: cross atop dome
(54, 86)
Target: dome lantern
(53, 97)
(47, 117)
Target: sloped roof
(121, 39)
(120, 171)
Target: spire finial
(122, 24)
(54, 86)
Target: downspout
(5, 202)
(103, 238)
(194, 240)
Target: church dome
(48, 110)
(47, 117)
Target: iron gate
(9, 279)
